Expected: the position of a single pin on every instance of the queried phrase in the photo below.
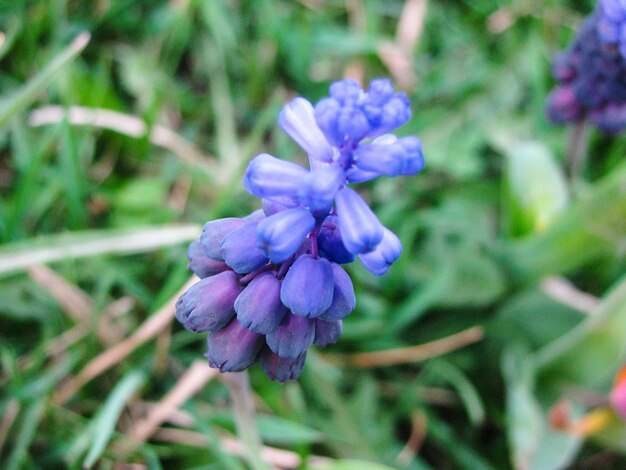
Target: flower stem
(243, 410)
(577, 149)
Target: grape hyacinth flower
(591, 73)
(272, 283)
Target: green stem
(244, 412)
(577, 150)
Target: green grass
(111, 213)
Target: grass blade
(24, 96)
(17, 256)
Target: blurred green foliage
(491, 216)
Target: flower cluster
(272, 283)
(612, 24)
(592, 80)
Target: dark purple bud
(258, 307)
(331, 245)
(201, 265)
(360, 229)
(307, 289)
(293, 336)
(563, 106)
(208, 304)
(344, 299)
(267, 176)
(386, 253)
(611, 119)
(281, 234)
(281, 369)
(240, 250)
(327, 332)
(213, 234)
(233, 348)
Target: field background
(510, 294)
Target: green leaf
(591, 353)
(103, 425)
(536, 187)
(348, 464)
(281, 431)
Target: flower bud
(258, 307)
(267, 176)
(320, 187)
(344, 299)
(281, 234)
(400, 157)
(327, 332)
(201, 265)
(297, 120)
(213, 234)
(307, 289)
(331, 245)
(293, 336)
(233, 348)
(208, 304)
(360, 229)
(240, 250)
(281, 369)
(386, 253)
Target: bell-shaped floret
(233, 348)
(213, 234)
(398, 157)
(330, 244)
(320, 187)
(344, 299)
(267, 176)
(360, 229)
(281, 369)
(293, 336)
(240, 250)
(201, 265)
(208, 304)
(258, 307)
(298, 121)
(307, 289)
(280, 235)
(327, 332)
(386, 253)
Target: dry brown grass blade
(127, 125)
(10, 413)
(411, 24)
(563, 291)
(410, 354)
(107, 359)
(277, 457)
(196, 377)
(419, 424)
(75, 302)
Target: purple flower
(240, 249)
(268, 176)
(386, 253)
(281, 369)
(208, 305)
(213, 234)
(201, 265)
(344, 299)
(327, 332)
(258, 307)
(360, 229)
(307, 289)
(233, 348)
(293, 336)
(330, 243)
(281, 234)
